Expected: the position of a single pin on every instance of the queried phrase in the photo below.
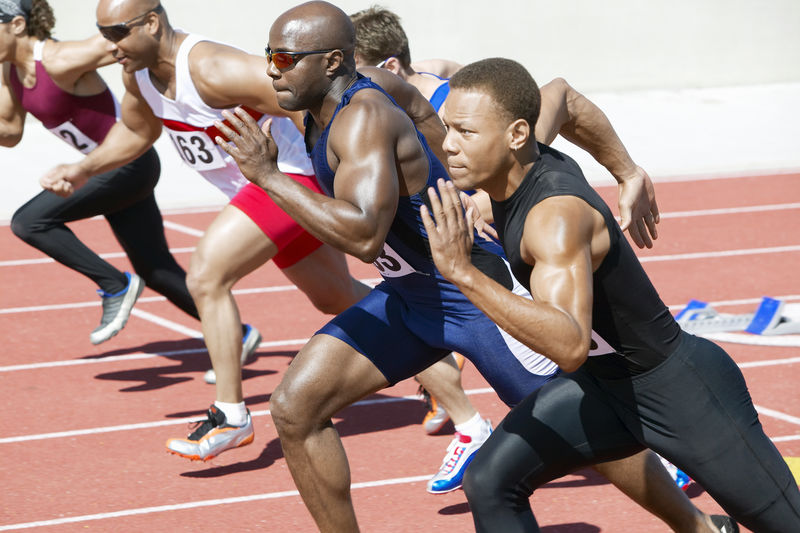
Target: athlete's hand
(638, 208)
(449, 231)
(251, 146)
(483, 228)
(64, 180)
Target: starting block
(700, 318)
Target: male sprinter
(659, 387)
(376, 168)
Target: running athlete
(660, 387)
(375, 167)
(179, 82)
(381, 40)
(57, 83)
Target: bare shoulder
(444, 68)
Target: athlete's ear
(19, 25)
(335, 61)
(393, 65)
(519, 133)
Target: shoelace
(451, 459)
(426, 397)
(201, 427)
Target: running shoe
(436, 416)
(678, 476)
(725, 524)
(117, 309)
(459, 455)
(212, 437)
(250, 342)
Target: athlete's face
(302, 84)
(477, 140)
(129, 34)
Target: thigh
(324, 277)
(326, 376)
(377, 326)
(231, 247)
(565, 425)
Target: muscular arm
(557, 240)
(567, 112)
(367, 145)
(226, 77)
(67, 61)
(127, 140)
(12, 116)
(416, 106)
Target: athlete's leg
(326, 376)
(323, 277)
(564, 426)
(643, 478)
(443, 381)
(232, 247)
(140, 231)
(710, 429)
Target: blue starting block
(700, 318)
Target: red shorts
(293, 242)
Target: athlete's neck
(509, 177)
(23, 61)
(164, 69)
(324, 112)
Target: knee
(289, 409)
(201, 279)
(21, 226)
(479, 485)
(337, 296)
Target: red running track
(82, 440)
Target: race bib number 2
(70, 133)
(391, 265)
(197, 149)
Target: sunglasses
(284, 60)
(117, 32)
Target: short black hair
(380, 36)
(507, 82)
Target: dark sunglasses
(284, 60)
(117, 32)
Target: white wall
(599, 45)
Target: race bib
(599, 346)
(73, 136)
(197, 149)
(391, 265)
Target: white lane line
(108, 255)
(721, 253)
(773, 362)
(169, 324)
(204, 503)
(150, 299)
(183, 229)
(180, 421)
(139, 355)
(777, 414)
(731, 210)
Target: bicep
(136, 113)
(557, 238)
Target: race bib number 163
(197, 149)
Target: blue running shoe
(117, 309)
(678, 476)
(459, 455)
(250, 343)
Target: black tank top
(627, 311)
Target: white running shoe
(117, 309)
(459, 455)
(212, 437)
